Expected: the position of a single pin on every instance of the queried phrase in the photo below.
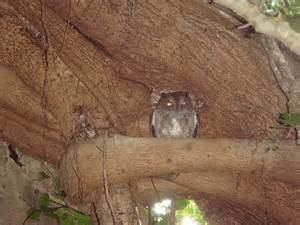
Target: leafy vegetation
(61, 212)
(187, 212)
(288, 10)
(188, 208)
(290, 119)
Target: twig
(96, 214)
(27, 218)
(65, 31)
(155, 189)
(76, 170)
(55, 179)
(45, 82)
(65, 206)
(45, 35)
(279, 67)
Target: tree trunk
(107, 47)
(73, 69)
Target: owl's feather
(152, 118)
(197, 122)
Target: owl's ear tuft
(155, 96)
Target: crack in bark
(149, 89)
(96, 43)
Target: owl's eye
(169, 104)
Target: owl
(174, 116)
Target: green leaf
(82, 219)
(64, 218)
(191, 210)
(44, 201)
(181, 204)
(34, 214)
(43, 175)
(290, 119)
(164, 221)
(294, 22)
(70, 217)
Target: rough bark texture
(123, 208)
(226, 212)
(64, 60)
(117, 53)
(285, 66)
(256, 175)
(278, 161)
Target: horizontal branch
(130, 158)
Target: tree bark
(114, 55)
(102, 60)
(122, 209)
(276, 160)
(228, 169)
(225, 209)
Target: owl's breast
(174, 129)
(174, 124)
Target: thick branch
(130, 158)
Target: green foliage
(44, 201)
(294, 22)
(49, 212)
(70, 217)
(288, 8)
(64, 214)
(190, 210)
(184, 209)
(34, 214)
(181, 204)
(290, 119)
